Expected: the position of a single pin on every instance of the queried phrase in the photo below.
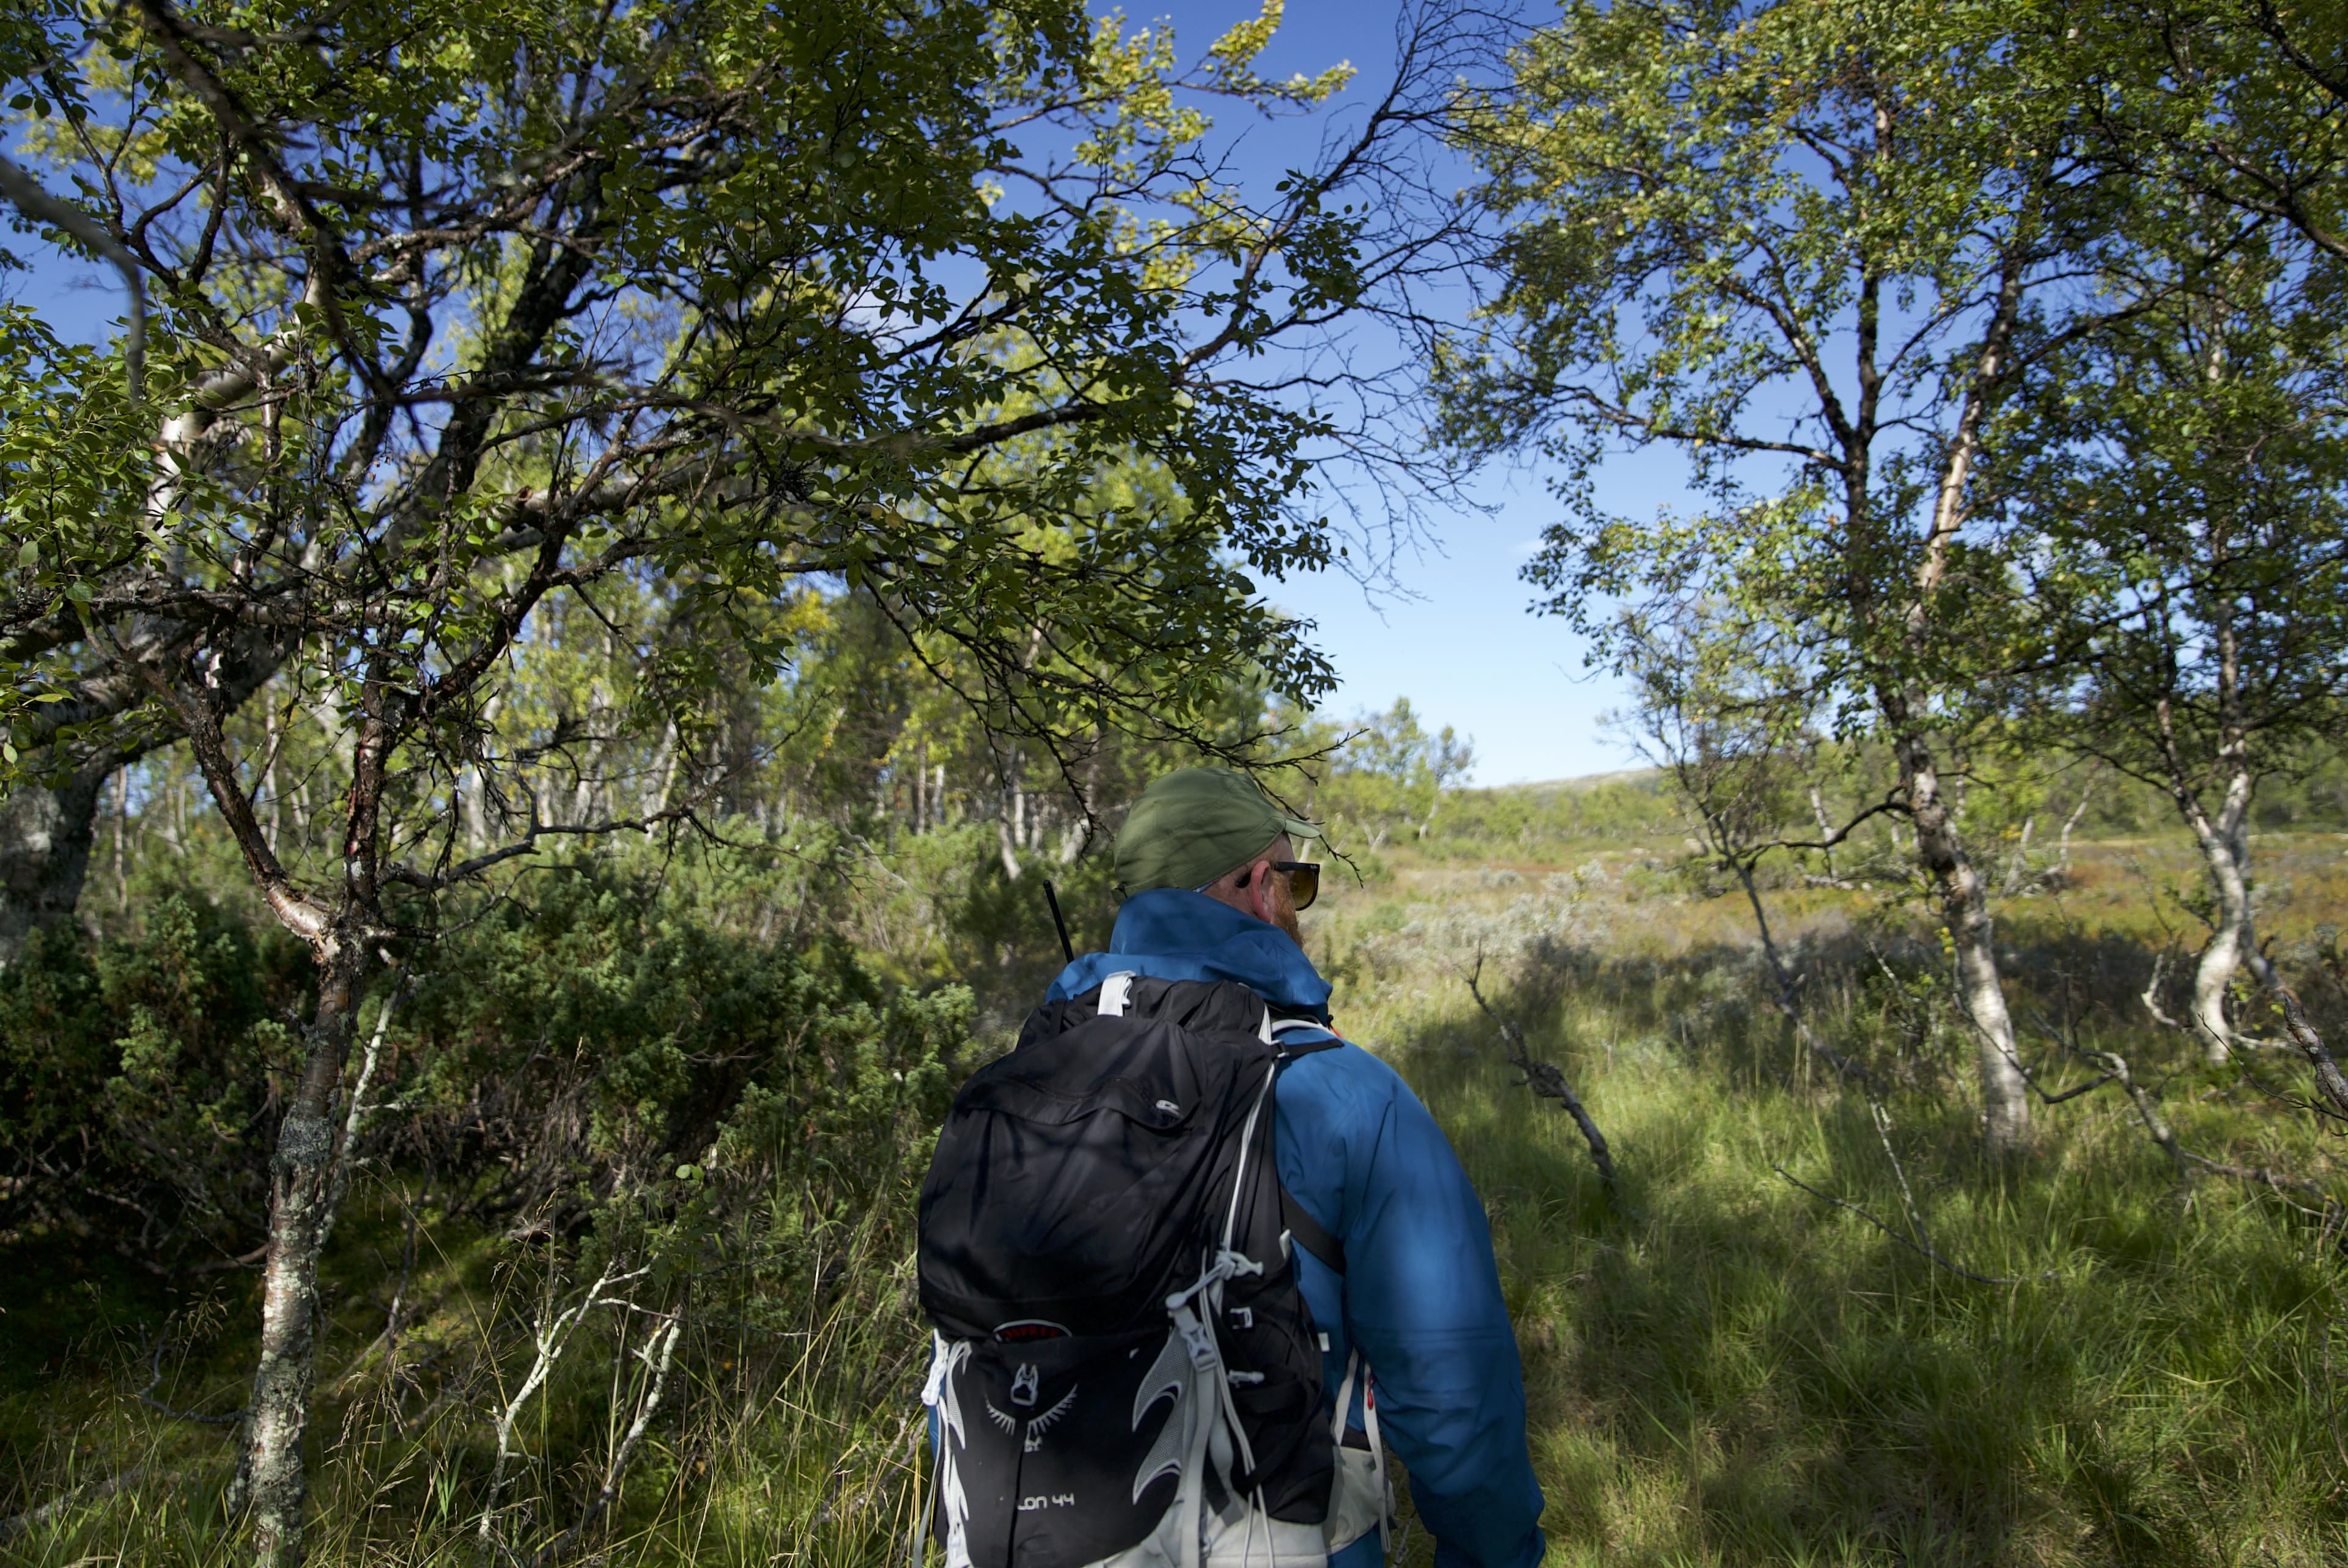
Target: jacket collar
(1174, 934)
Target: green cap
(1192, 827)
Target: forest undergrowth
(1723, 1365)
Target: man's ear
(1259, 891)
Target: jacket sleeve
(1423, 1305)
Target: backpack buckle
(1114, 993)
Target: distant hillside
(1582, 783)
(1636, 803)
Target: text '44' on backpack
(1125, 1371)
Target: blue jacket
(1420, 1294)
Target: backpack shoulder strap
(1281, 1028)
(1307, 1232)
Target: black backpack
(1104, 1258)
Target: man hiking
(1371, 1249)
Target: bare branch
(658, 1353)
(1545, 1080)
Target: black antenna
(1053, 900)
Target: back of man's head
(1195, 825)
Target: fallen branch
(1544, 1079)
(34, 1518)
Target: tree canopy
(461, 312)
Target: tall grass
(1722, 1367)
(788, 1438)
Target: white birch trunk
(273, 737)
(1939, 846)
(2225, 856)
(1981, 990)
(1006, 843)
(1011, 828)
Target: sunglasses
(1303, 880)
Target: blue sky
(1458, 638)
(1466, 649)
(1463, 644)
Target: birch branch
(666, 1340)
(354, 1120)
(552, 1338)
(27, 196)
(2303, 1034)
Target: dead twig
(2303, 1034)
(552, 1338)
(2155, 1126)
(2151, 997)
(1787, 999)
(398, 1317)
(354, 1123)
(34, 1518)
(2114, 1070)
(1544, 1079)
(155, 1379)
(2282, 1184)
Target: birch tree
(2242, 103)
(1814, 250)
(2183, 484)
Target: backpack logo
(1037, 1425)
(1023, 1384)
(1044, 1423)
(1028, 1329)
